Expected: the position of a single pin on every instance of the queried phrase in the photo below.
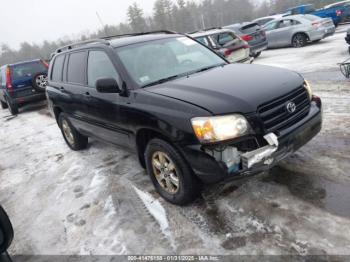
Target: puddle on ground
(329, 195)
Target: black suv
(22, 83)
(189, 115)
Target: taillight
(316, 24)
(338, 12)
(228, 52)
(8, 80)
(45, 64)
(247, 37)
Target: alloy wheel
(165, 172)
(41, 81)
(67, 131)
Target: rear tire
(257, 55)
(172, 178)
(3, 105)
(73, 138)
(13, 108)
(299, 40)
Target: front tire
(170, 173)
(299, 40)
(73, 138)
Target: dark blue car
(22, 83)
(334, 12)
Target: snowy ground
(100, 201)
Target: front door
(105, 109)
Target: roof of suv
(22, 62)
(121, 40)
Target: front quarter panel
(165, 115)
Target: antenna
(102, 24)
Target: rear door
(282, 34)
(74, 90)
(272, 33)
(107, 112)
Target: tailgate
(255, 31)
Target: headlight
(308, 88)
(219, 128)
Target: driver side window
(100, 66)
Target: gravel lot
(100, 201)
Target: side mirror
(107, 85)
(6, 231)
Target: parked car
(253, 34)
(347, 38)
(345, 5)
(6, 235)
(190, 116)
(264, 20)
(22, 83)
(335, 13)
(225, 43)
(298, 30)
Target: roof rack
(104, 40)
(138, 34)
(77, 44)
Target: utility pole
(202, 20)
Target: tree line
(177, 15)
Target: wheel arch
(57, 111)
(143, 136)
(301, 32)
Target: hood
(234, 88)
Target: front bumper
(209, 170)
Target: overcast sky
(37, 20)
(34, 21)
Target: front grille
(275, 116)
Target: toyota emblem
(291, 107)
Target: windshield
(150, 62)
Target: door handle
(87, 93)
(61, 88)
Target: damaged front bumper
(228, 163)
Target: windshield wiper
(207, 68)
(161, 81)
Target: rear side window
(203, 40)
(56, 75)
(100, 66)
(250, 28)
(27, 70)
(76, 68)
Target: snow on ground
(100, 201)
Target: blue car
(333, 12)
(22, 83)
